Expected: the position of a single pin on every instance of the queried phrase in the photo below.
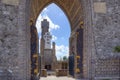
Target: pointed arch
(60, 6)
(64, 26)
(29, 9)
(72, 9)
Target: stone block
(100, 7)
(44, 73)
(61, 72)
(11, 2)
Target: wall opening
(54, 31)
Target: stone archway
(72, 9)
(76, 15)
(26, 10)
(76, 12)
(101, 35)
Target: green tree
(65, 58)
(117, 49)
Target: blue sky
(59, 28)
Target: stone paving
(56, 78)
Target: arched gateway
(92, 41)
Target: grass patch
(117, 49)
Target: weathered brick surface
(8, 37)
(106, 28)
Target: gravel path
(56, 78)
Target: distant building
(62, 65)
(48, 57)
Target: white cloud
(51, 24)
(38, 24)
(54, 38)
(62, 51)
(45, 10)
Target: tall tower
(48, 58)
(44, 26)
(47, 39)
(54, 55)
(53, 45)
(45, 29)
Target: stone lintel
(11, 2)
(100, 7)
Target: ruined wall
(106, 30)
(106, 24)
(101, 27)
(14, 44)
(107, 68)
(8, 38)
(101, 35)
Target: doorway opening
(48, 67)
(54, 32)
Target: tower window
(48, 42)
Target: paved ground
(56, 78)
